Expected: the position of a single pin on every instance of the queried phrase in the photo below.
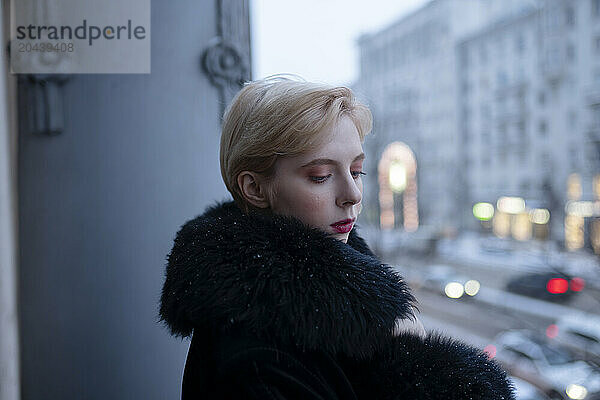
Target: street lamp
(397, 177)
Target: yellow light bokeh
(501, 224)
(472, 287)
(574, 232)
(539, 216)
(521, 226)
(576, 392)
(454, 290)
(574, 187)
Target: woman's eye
(356, 174)
(319, 179)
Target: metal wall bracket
(226, 58)
(43, 103)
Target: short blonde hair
(278, 117)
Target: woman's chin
(341, 236)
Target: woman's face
(323, 188)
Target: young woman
(282, 297)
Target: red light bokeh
(577, 284)
(552, 331)
(557, 285)
(490, 350)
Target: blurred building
(408, 74)
(528, 100)
(494, 99)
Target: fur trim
(281, 280)
(434, 367)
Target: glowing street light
(511, 205)
(483, 211)
(397, 177)
(539, 216)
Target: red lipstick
(343, 226)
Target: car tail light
(557, 285)
(577, 284)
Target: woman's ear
(253, 188)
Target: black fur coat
(279, 310)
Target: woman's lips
(343, 226)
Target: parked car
(581, 334)
(549, 367)
(553, 286)
(445, 280)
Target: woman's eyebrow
(327, 161)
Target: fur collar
(281, 280)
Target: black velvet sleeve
(272, 373)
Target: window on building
(464, 56)
(573, 157)
(596, 116)
(543, 128)
(521, 127)
(596, 45)
(485, 138)
(596, 8)
(502, 131)
(500, 46)
(541, 98)
(502, 154)
(545, 161)
(570, 16)
(465, 87)
(483, 53)
(572, 118)
(485, 114)
(597, 76)
(520, 43)
(523, 155)
(570, 52)
(501, 79)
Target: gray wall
(9, 339)
(100, 203)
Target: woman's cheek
(309, 207)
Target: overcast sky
(316, 39)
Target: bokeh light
(576, 392)
(472, 287)
(577, 284)
(511, 205)
(539, 216)
(552, 331)
(483, 211)
(557, 285)
(454, 290)
(490, 349)
(397, 177)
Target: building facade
(408, 76)
(494, 98)
(528, 97)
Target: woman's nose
(350, 193)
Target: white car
(581, 334)
(548, 367)
(445, 280)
